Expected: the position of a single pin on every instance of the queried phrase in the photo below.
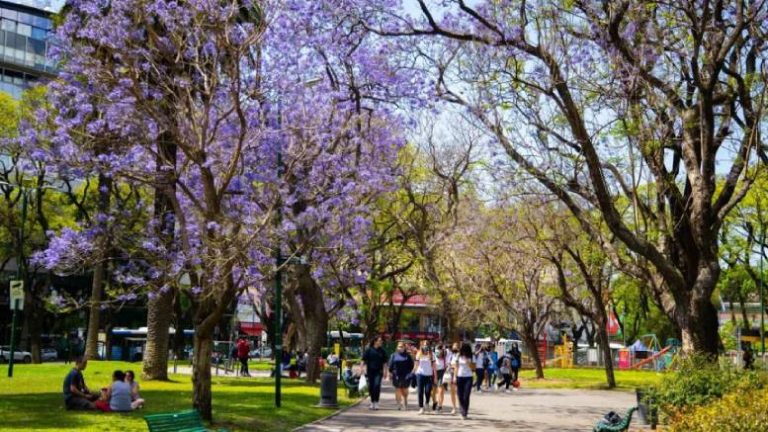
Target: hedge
(735, 412)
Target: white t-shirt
(479, 360)
(440, 363)
(462, 365)
(425, 365)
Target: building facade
(25, 27)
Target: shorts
(400, 382)
(440, 375)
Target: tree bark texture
(201, 372)
(315, 320)
(160, 309)
(99, 271)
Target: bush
(696, 382)
(735, 412)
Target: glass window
(24, 30)
(41, 22)
(20, 42)
(36, 46)
(25, 18)
(29, 59)
(10, 14)
(8, 25)
(39, 33)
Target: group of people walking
(433, 371)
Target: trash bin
(648, 412)
(329, 384)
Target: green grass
(588, 378)
(32, 400)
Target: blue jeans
(374, 384)
(480, 377)
(463, 389)
(424, 386)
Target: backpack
(506, 365)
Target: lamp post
(19, 260)
(762, 293)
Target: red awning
(251, 329)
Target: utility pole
(762, 293)
(19, 275)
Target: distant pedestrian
(505, 370)
(749, 358)
(491, 372)
(243, 351)
(401, 371)
(517, 362)
(464, 366)
(479, 360)
(425, 370)
(374, 360)
(441, 364)
(450, 373)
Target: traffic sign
(17, 293)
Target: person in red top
(243, 349)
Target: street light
(279, 261)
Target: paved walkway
(525, 410)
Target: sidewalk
(526, 410)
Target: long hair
(465, 351)
(373, 341)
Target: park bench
(622, 426)
(182, 421)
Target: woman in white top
(464, 366)
(438, 393)
(425, 370)
(450, 373)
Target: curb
(333, 414)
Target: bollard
(328, 390)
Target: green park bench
(182, 421)
(601, 426)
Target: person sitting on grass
(137, 400)
(76, 393)
(118, 395)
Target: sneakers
(371, 406)
(463, 417)
(375, 406)
(453, 411)
(439, 410)
(506, 391)
(421, 411)
(434, 406)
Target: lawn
(588, 378)
(32, 400)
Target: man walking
(243, 350)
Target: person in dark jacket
(517, 362)
(374, 360)
(401, 370)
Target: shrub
(698, 381)
(735, 412)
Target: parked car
(18, 356)
(49, 354)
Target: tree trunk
(698, 319)
(160, 309)
(201, 372)
(605, 347)
(159, 316)
(315, 320)
(533, 348)
(32, 326)
(100, 269)
(699, 328)
(92, 336)
(744, 316)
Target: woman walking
(425, 370)
(374, 360)
(464, 366)
(450, 374)
(400, 367)
(479, 360)
(438, 395)
(517, 361)
(505, 369)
